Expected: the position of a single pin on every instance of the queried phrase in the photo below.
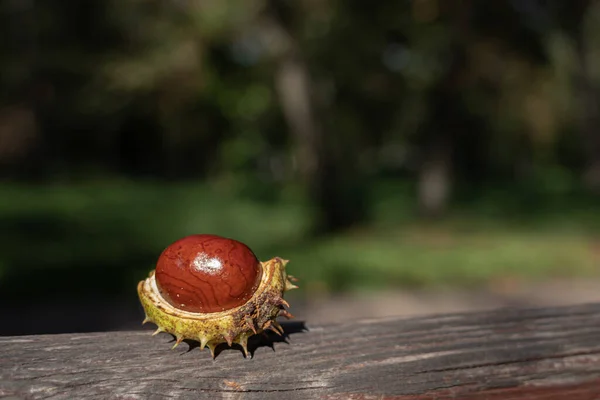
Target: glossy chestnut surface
(207, 273)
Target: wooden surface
(508, 354)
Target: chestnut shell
(207, 273)
(232, 325)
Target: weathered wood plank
(508, 354)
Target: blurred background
(408, 156)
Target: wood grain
(545, 354)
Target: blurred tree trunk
(294, 89)
(435, 176)
(293, 86)
(324, 167)
(588, 93)
(571, 18)
(20, 147)
(445, 120)
(590, 122)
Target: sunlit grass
(408, 257)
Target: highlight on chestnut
(215, 290)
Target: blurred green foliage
(413, 142)
(64, 240)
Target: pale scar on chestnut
(214, 290)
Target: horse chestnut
(207, 273)
(215, 290)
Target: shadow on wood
(266, 339)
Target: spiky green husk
(231, 326)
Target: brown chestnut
(207, 273)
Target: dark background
(380, 146)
